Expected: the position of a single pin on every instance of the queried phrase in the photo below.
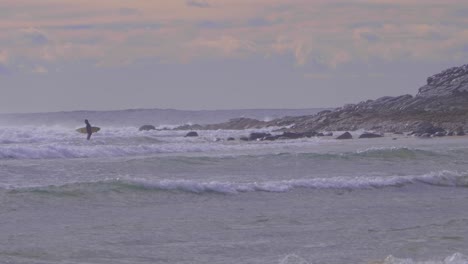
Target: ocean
(137, 197)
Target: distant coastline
(138, 117)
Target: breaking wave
(151, 145)
(57, 151)
(442, 178)
(456, 258)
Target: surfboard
(83, 129)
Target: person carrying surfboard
(89, 130)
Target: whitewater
(130, 196)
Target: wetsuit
(88, 129)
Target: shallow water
(159, 197)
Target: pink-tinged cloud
(330, 32)
(3, 57)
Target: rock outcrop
(370, 135)
(345, 135)
(452, 81)
(191, 134)
(147, 128)
(439, 106)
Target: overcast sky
(58, 55)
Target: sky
(58, 55)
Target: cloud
(326, 32)
(78, 27)
(200, 4)
(258, 22)
(3, 62)
(318, 76)
(370, 37)
(227, 46)
(207, 24)
(126, 11)
(35, 36)
(3, 57)
(40, 70)
(4, 70)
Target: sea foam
(441, 178)
(456, 258)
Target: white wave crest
(456, 258)
(443, 178)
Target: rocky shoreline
(439, 108)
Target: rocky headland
(439, 108)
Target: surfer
(88, 129)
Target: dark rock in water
(244, 138)
(427, 128)
(270, 138)
(230, 139)
(258, 135)
(192, 134)
(370, 135)
(310, 134)
(291, 135)
(147, 128)
(296, 135)
(439, 134)
(459, 131)
(456, 132)
(320, 134)
(345, 135)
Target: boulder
(271, 138)
(427, 128)
(258, 135)
(345, 135)
(230, 139)
(459, 131)
(370, 135)
(439, 134)
(296, 135)
(147, 128)
(310, 134)
(191, 134)
(291, 135)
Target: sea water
(129, 196)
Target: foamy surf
(442, 178)
(150, 145)
(456, 258)
(156, 196)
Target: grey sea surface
(128, 196)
